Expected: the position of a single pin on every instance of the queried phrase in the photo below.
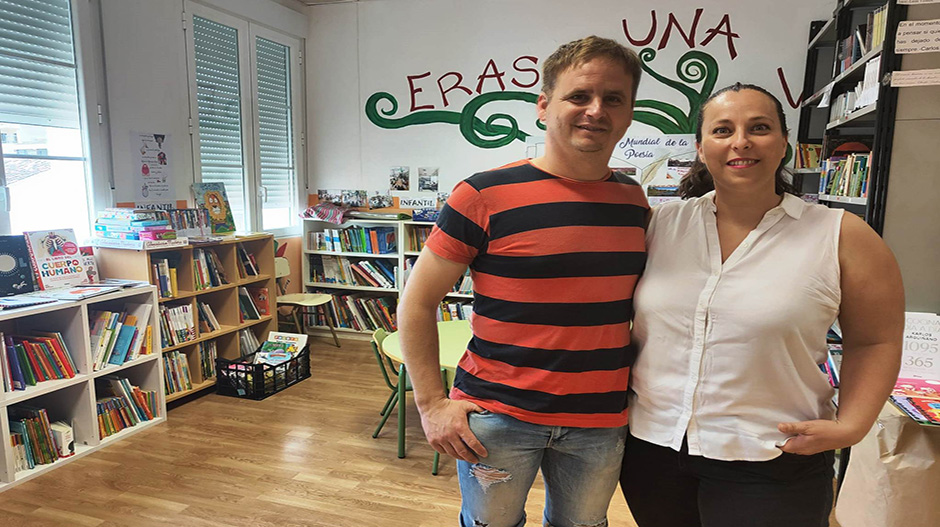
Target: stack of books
(207, 269)
(120, 336)
(125, 228)
(28, 360)
(177, 325)
(124, 405)
(36, 441)
(176, 373)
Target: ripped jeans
(580, 466)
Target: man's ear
(540, 106)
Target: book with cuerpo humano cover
(56, 258)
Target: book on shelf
(116, 243)
(454, 310)
(247, 342)
(30, 359)
(247, 265)
(176, 373)
(208, 353)
(176, 325)
(260, 299)
(122, 404)
(246, 306)
(808, 155)
(357, 312)
(55, 258)
(419, 236)
(164, 273)
(207, 321)
(30, 427)
(212, 197)
(190, 222)
(16, 267)
(79, 292)
(341, 270)
(14, 302)
(207, 269)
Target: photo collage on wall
(424, 190)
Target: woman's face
(742, 140)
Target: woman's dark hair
(698, 181)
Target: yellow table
(453, 337)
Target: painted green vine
(500, 129)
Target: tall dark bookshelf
(874, 122)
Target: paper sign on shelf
(417, 203)
(826, 96)
(918, 36)
(906, 79)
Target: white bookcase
(405, 235)
(73, 400)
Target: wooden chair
(299, 302)
(399, 389)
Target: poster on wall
(658, 163)
(152, 165)
(399, 179)
(427, 179)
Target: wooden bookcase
(73, 400)
(136, 264)
(408, 248)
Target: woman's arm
(872, 320)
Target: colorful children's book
(56, 259)
(16, 272)
(212, 197)
(259, 296)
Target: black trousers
(665, 488)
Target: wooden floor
(304, 457)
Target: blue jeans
(580, 466)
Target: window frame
(88, 50)
(248, 31)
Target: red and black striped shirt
(554, 262)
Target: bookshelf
(222, 299)
(74, 400)
(848, 57)
(410, 236)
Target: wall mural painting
(696, 77)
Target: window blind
(218, 100)
(37, 64)
(274, 125)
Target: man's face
(590, 108)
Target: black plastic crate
(240, 378)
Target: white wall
(358, 49)
(147, 82)
(912, 215)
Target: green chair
(399, 389)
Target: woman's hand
(811, 437)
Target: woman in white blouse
(731, 420)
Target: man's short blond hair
(584, 50)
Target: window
(41, 139)
(246, 93)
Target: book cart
(409, 237)
(73, 400)
(222, 299)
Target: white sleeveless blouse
(729, 350)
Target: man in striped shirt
(555, 246)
